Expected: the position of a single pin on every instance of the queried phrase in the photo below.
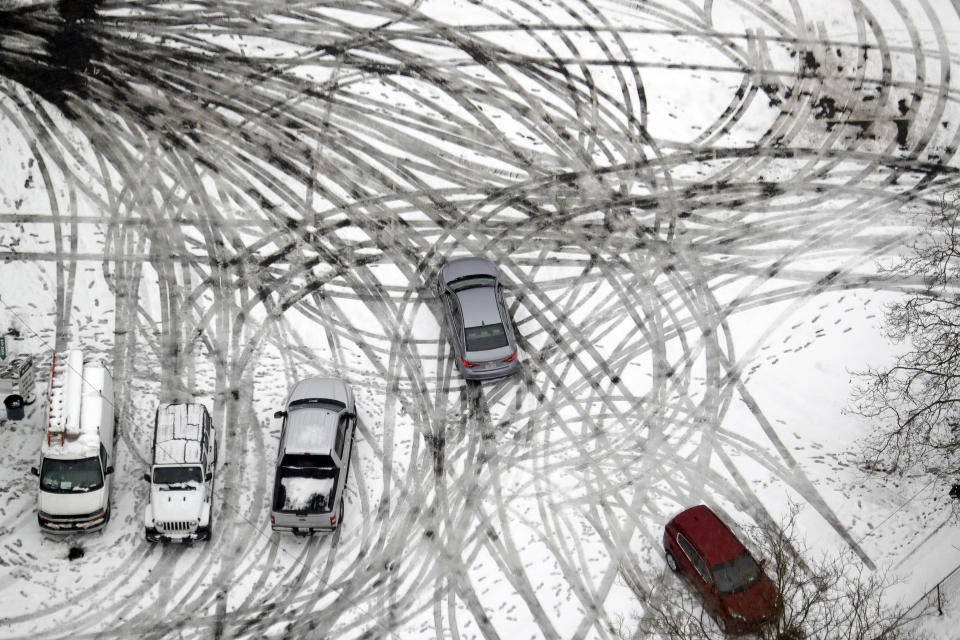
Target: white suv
(181, 476)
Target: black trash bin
(14, 406)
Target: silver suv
(181, 475)
(313, 461)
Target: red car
(735, 590)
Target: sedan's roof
(710, 535)
(464, 267)
(479, 306)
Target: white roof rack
(76, 405)
(66, 385)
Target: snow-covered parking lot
(691, 204)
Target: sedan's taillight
(468, 364)
(273, 520)
(513, 356)
(333, 520)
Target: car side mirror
(35, 471)
(209, 476)
(146, 477)
(763, 562)
(109, 470)
(280, 414)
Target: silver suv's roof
(178, 435)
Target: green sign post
(3, 348)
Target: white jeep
(182, 475)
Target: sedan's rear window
(488, 336)
(737, 574)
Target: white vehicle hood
(72, 504)
(177, 504)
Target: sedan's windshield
(488, 336)
(470, 282)
(737, 574)
(177, 475)
(71, 476)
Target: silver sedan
(477, 321)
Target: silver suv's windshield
(177, 475)
(470, 282)
(737, 574)
(71, 476)
(488, 336)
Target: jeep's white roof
(178, 436)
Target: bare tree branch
(916, 401)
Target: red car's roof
(709, 534)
